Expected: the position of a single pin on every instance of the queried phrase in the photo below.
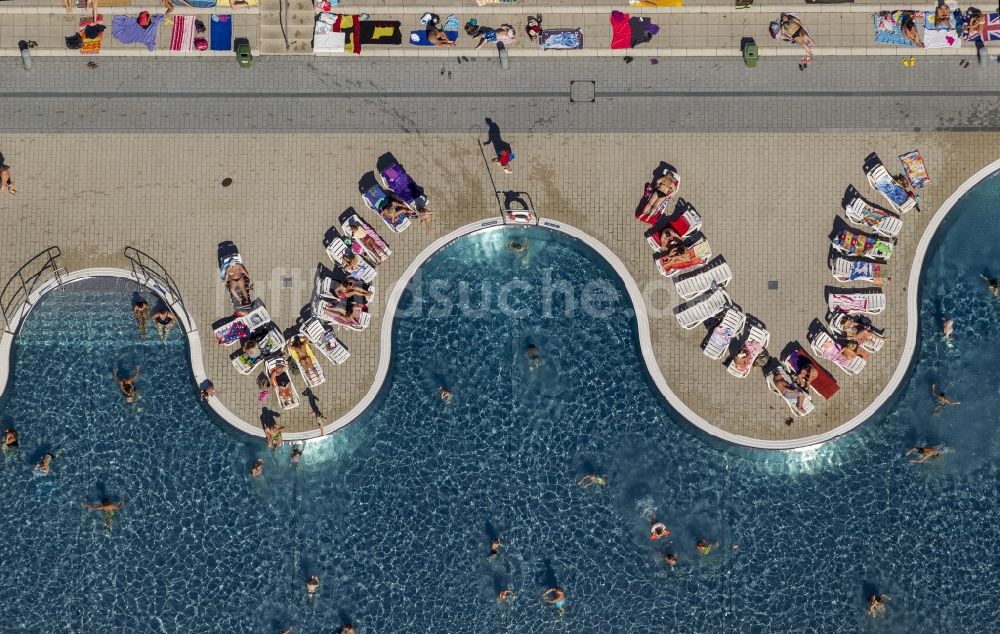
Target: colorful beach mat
(221, 30)
(91, 45)
(915, 168)
(988, 31)
(560, 39)
(888, 30)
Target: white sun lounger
(723, 334)
(792, 403)
(224, 334)
(320, 311)
(325, 341)
(382, 251)
(755, 342)
(365, 272)
(824, 346)
(702, 252)
(864, 215)
(845, 270)
(702, 308)
(869, 303)
(873, 344)
(309, 369)
(717, 273)
(879, 178)
(291, 400)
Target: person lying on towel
(677, 256)
(657, 193)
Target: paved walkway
(769, 200)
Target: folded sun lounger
(845, 270)
(723, 334)
(378, 201)
(861, 245)
(309, 367)
(716, 273)
(754, 344)
(880, 221)
(325, 341)
(867, 302)
(361, 271)
(284, 389)
(791, 399)
(373, 246)
(697, 255)
(824, 345)
(702, 308)
(879, 178)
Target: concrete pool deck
(771, 223)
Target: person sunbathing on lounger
(359, 234)
(300, 345)
(667, 236)
(348, 289)
(859, 332)
(398, 208)
(658, 191)
(675, 258)
(238, 282)
(743, 359)
(282, 383)
(790, 392)
(806, 375)
(341, 313)
(792, 30)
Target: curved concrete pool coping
(642, 320)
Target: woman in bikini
(127, 385)
(791, 29)
(300, 345)
(657, 192)
(791, 392)
(359, 234)
(163, 322)
(6, 184)
(238, 282)
(859, 332)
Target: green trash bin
(243, 54)
(750, 52)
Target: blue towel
(419, 37)
(221, 29)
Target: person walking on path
(504, 153)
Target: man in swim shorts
(127, 385)
(108, 508)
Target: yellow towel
(656, 3)
(383, 31)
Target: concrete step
(295, 33)
(272, 46)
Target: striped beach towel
(182, 37)
(91, 45)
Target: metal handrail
(26, 285)
(147, 271)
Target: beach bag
(74, 42)
(773, 29)
(201, 44)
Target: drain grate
(582, 91)
(772, 285)
(287, 282)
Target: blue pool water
(395, 513)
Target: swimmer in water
(347, 629)
(670, 559)
(703, 547)
(942, 400)
(947, 327)
(108, 508)
(258, 468)
(495, 545)
(517, 247)
(993, 285)
(446, 394)
(533, 355)
(924, 454)
(127, 385)
(557, 597)
(588, 481)
(208, 391)
(296, 454)
(876, 604)
(312, 585)
(658, 530)
(10, 438)
(506, 595)
(141, 312)
(43, 466)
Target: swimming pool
(395, 512)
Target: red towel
(621, 32)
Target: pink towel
(182, 37)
